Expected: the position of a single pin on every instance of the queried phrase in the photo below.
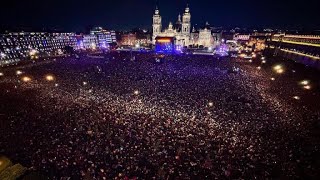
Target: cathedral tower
(186, 22)
(157, 25)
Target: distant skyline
(77, 15)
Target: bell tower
(186, 21)
(157, 25)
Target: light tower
(157, 25)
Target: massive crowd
(184, 117)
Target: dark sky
(75, 15)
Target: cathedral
(181, 31)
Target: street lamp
(26, 79)
(50, 78)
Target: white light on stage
(1, 74)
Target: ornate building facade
(181, 31)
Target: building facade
(129, 39)
(104, 36)
(181, 31)
(15, 47)
(18, 46)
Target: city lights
(160, 98)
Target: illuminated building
(90, 41)
(15, 47)
(129, 39)
(307, 40)
(136, 37)
(241, 37)
(194, 37)
(104, 36)
(205, 37)
(181, 32)
(301, 48)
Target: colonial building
(17, 46)
(181, 31)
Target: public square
(185, 117)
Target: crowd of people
(184, 117)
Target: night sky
(76, 15)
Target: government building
(181, 31)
